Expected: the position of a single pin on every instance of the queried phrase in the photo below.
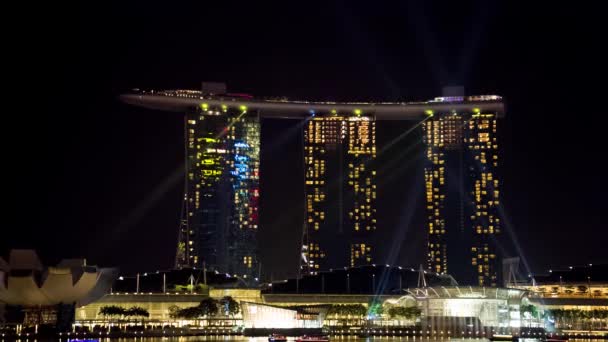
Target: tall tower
(340, 191)
(462, 195)
(220, 217)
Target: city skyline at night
(105, 180)
(339, 151)
(355, 169)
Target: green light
(224, 108)
(476, 110)
(334, 112)
(204, 106)
(428, 112)
(243, 108)
(357, 112)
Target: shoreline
(371, 332)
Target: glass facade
(340, 192)
(258, 315)
(462, 196)
(220, 217)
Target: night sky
(87, 176)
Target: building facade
(574, 298)
(340, 190)
(219, 223)
(462, 195)
(220, 211)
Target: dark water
(292, 339)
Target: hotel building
(340, 191)
(462, 195)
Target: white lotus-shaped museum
(24, 281)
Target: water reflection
(292, 339)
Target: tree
(230, 306)
(375, 309)
(396, 311)
(137, 311)
(192, 312)
(208, 307)
(357, 309)
(578, 318)
(529, 312)
(112, 310)
(347, 310)
(532, 309)
(333, 310)
(174, 311)
(411, 312)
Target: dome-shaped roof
(25, 281)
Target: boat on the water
(309, 338)
(277, 338)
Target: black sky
(88, 176)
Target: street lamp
(347, 282)
(373, 283)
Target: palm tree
(112, 310)
(137, 311)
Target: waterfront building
(220, 222)
(574, 298)
(159, 305)
(328, 299)
(33, 294)
(340, 191)
(221, 201)
(478, 307)
(264, 316)
(463, 194)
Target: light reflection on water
(332, 339)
